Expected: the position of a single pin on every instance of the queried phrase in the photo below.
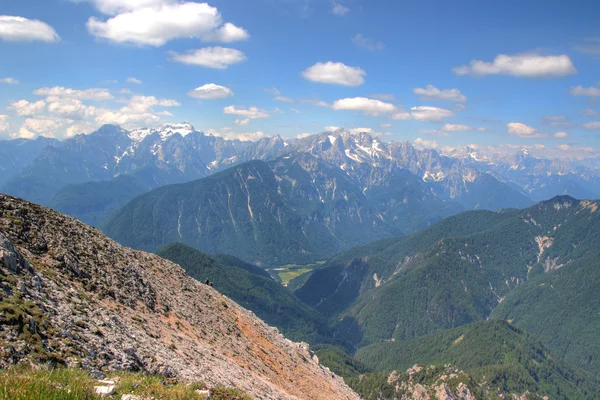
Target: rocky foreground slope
(69, 295)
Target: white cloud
(71, 108)
(335, 73)
(339, 9)
(210, 57)
(591, 125)
(561, 135)
(421, 144)
(303, 135)
(227, 33)
(251, 113)
(242, 122)
(585, 91)
(524, 131)
(530, 65)
(385, 126)
(459, 107)
(19, 29)
(9, 81)
(365, 43)
(274, 91)
(430, 92)
(156, 24)
(137, 113)
(361, 130)
(456, 128)
(141, 104)
(331, 128)
(33, 127)
(112, 7)
(401, 116)
(245, 136)
(283, 99)
(430, 114)
(134, 80)
(62, 92)
(588, 112)
(129, 120)
(24, 108)
(165, 113)
(482, 129)
(317, 103)
(368, 106)
(211, 91)
(4, 125)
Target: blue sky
(438, 73)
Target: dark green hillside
(493, 352)
(334, 287)
(92, 202)
(458, 271)
(266, 298)
(562, 306)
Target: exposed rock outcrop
(69, 295)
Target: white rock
(105, 390)
(204, 394)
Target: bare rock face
(441, 383)
(71, 296)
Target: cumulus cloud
(211, 91)
(9, 81)
(456, 128)
(354, 131)
(4, 124)
(139, 112)
(524, 131)
(561, 135)
(49, 127)
(19, 29)
(585, 91)
(62, 92)
(588, 112)
(156, 23)
(335, 73)
(112, 7)
(339, 9)
(422, 144)
(430, 92)
(332, 128)
(210, 57)
(71, 108)
(24, 108)
(363, 42)
(134, 80)
(591, 125)
(530, 65)
(430, 114)
(368, 106)
(249, 113)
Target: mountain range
(48, 171)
